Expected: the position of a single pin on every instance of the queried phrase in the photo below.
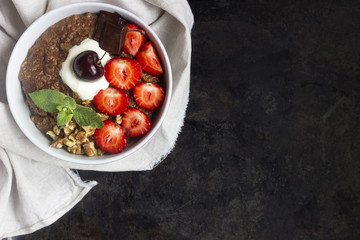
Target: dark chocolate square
(104, 17)
(112, 38)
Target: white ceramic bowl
(16, 97)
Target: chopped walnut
(118, 119)
(87, 103)
(76, 139)
(59, 143)
(103, 116)
(51, 134)
(69, 127)
(90, 149)
(56, 130)
(76, 149)
(89, 131)
(80, 135)
(69, 142)
(99, 152)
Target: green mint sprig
(54, 101)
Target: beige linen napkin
(25, 169)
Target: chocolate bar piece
(112, 38)
(103, 18)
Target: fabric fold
(35, 194)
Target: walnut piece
(118, 119)
(75, 139)
(90, 149)
(59, 143)
(51, 134)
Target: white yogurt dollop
(85, 89)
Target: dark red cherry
(87, 66)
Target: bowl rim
(80, 8)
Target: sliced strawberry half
(148, 95)
(111, 138)
(133, 40)
(149, 59)
(111, 101)
(123, 73)
(135, 122)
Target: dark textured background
(270, 144)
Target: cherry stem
(99, 61)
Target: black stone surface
(270, 144)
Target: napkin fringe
(156, 162)
(74, 174)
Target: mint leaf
(63, 118)
(62, 108)
(70, 102)
(48, 99)
(87, 117)
(55, 101)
